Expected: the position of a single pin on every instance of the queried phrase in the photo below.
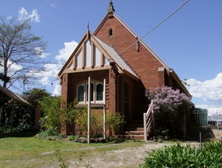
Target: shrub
(69, 114)
(50, 107)
(170, 106)
(113, 122)
(17, 118)
(186, 157)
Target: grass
(32, 152)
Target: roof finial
(88, 25)
(111, 7)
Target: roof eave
(71, 56)
(177, 79)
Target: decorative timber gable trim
(92, 54)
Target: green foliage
(17, 118)
(73, 137)
(75, 117)
(113, 122)
(69, 115)
(186, 157)
(35, 95)
(50, 107)
(62, 162)
(82, 120)
(97, 124)
(50, 133)
(170, 107)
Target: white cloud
(13, 68)
(44, 80)
(24, 15)
(65, 53)
(39, 51)
(57, 90)
(53, 5)
(209, 90)
(50, 72)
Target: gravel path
(124, 158)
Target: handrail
(148, 119)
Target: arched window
(99, 92)
(110, 32)
(81, 90)
(96, 92)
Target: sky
(189, 42)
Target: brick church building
(120, 66)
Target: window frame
(85, 96)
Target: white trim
(94, 101)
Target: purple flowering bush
(170, 107)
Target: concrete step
(134, 132)
(133, 128)
(134, 137)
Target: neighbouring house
(120, 66)
(12, 102)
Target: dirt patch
(124, 158)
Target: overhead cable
(158, 24)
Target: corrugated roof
(6, 95)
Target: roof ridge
(134, 34)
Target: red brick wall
(138, 101)
(142, 62)
(64, 97)
(77, 78)
(64, 87)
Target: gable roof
(112, 55)
(6, 95)
(116, 57)
(109, 53)
(171, 71)
(133, 33)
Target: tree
(51, 120)
(170, 106)
(21, 51)
(35, 95)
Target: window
(99, 92)
(110, 32)
(96, 92)
(81, 89)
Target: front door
(126, 100)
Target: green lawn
(33, 152)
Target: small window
(81, 89)
(99, 92)
(110, 32)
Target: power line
(158, 24)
